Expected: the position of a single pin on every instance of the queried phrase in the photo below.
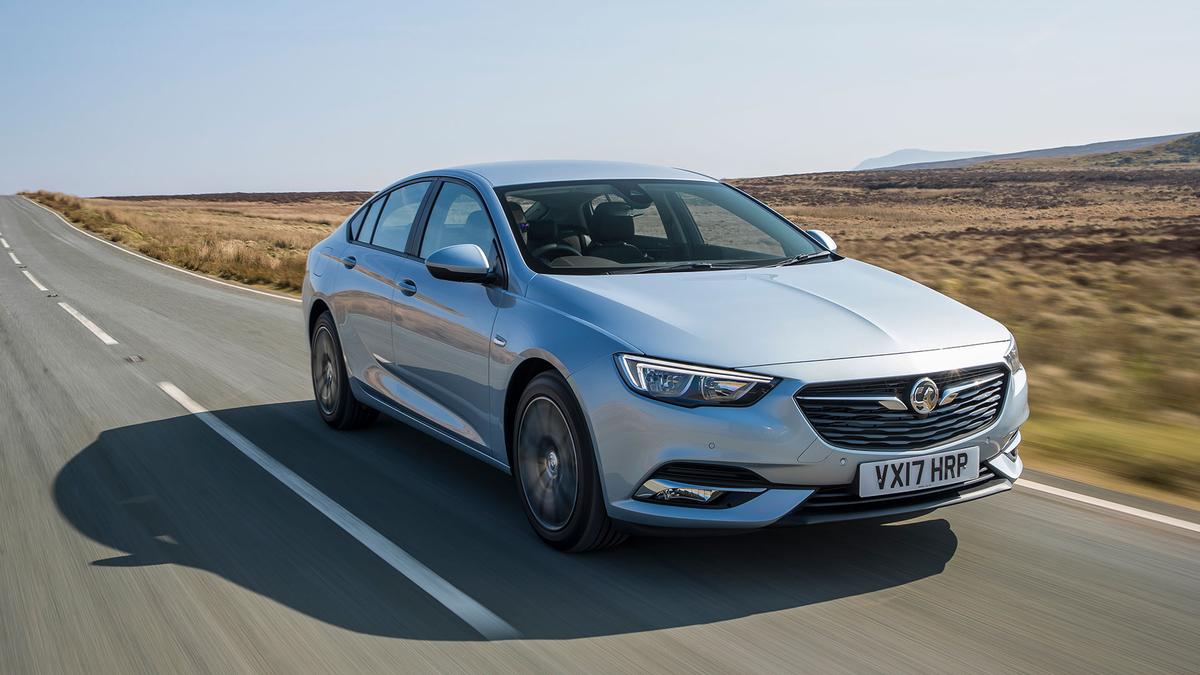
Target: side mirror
(826, 240)
(461, 262)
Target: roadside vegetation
(1094, 263)
(261, 240)
(1094, 266)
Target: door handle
(350, 262)
(408, 287)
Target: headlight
(687, 385)
(1012, 358)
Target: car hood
(746, 318)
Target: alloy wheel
(547, 463)
(324, 371)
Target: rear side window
(646, 220)
(355, 224)
(396, 221)
(719, 226)
(368, 223)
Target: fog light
(669, 491)
(1009, 445)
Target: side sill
(368, 396)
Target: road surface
(136, 537)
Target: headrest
(611, 222)
(477, 219)
(515, 212)
(542, 231)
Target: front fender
(531, 330)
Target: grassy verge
(255, 243)
(1153, 460)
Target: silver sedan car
(645, 348)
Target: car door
(443, 329)
(366, 298)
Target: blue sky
(163, 97)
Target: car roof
(500, 174)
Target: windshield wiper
(690, 267)
(802, 259)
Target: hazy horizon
(139, 98)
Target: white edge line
(14, 258)
(157, 262)
(465, 607)
(88, 324)
(1111, 506)
(37, 284)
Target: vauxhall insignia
(924, 395)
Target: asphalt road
(134, 538)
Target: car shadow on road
(173, 492)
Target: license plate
(919, 473)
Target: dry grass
(1096, 271)
(263, 243)
(1095, 266)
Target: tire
(331, 386)
(555, 470)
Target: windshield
(606, 227)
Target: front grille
(866, 425)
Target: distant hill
(915, 155)
(1106, 147)
(1181, 151)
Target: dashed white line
(4, 242)
(465, 607)
(88, 324)
(158, 262)
(37, 284)
(14, 258)
(1111, 506)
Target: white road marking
(158, 262)
(466, 608)
(14, 258)
(1111, 506)
(35, 282)
(88, 324)
(4, 242)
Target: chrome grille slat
(866, 425)
(969, 408)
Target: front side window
(396, 220)
(612, 227)
(457, 217)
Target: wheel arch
(318, 308)
(521, 376)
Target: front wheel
(331, 386)
(555, 469)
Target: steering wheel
(562, 250)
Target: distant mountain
(913, 156)
(1064, 151)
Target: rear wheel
(331, 386)
(555, 469)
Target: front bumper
(807, 479)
